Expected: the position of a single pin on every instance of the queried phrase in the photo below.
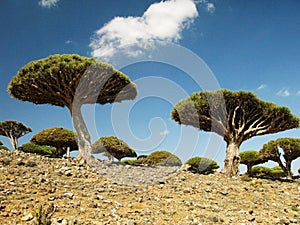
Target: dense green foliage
(37, 149)
(162, 158)
(251, 158)
(13, 130)
(4, 148)
(290, 148)
(243, 117)
(202, 165)
(234, 115)
(266, 172)
(58, 137)
(132, 162)
(55, 79)
(114, 146)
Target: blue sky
(249, 45)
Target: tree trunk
(288, 170)
(13, 141)
(249, 170)
(83, 137)
(68, 152)
(232, 160)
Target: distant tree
(234, 115)
(58, 137)
(13, 130)
(3, 147)
(202, 165)
(37, 149)
(71, 81)
(113, 146)
(291, 151)
(163, 158)
(251, 158)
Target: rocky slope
(67, 192)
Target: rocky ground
(36, 189)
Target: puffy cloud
(284, 92)
(298, 93)
(261, 87)
(48, 3)
(161, 23)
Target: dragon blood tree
(251, 158)
(13, 130)
(291, 151)
(70, 80)
(58, 137)
(234, 115)
(114, 146)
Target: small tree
(234, 115)
(202, 165)
(291, 151)
(251, 158)
(113, 146)
(163, 158)
(13, 130)
(58, 137)
(71, 81)
(37, 149)
(2, 147)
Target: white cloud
(164, 133)
(298, 93)
(210, 7)
(161, 23)
(261, 87)
(284, 92)
(48, 3)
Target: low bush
(38, 149)
(261, 171)
(133, 162)
(162, 158)
(4, 148)
(202, 165)
(266, 172)
(277, 172)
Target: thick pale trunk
(14, 142)
(84, 142)
(232, 160)
(68, 152)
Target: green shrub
(38, 149)
(261, 171)
(132, 162)
(44, 216)
(277, 172)
(162, 158)
(202, 165)
(245, 177)
(4, 148)
(266, 172)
